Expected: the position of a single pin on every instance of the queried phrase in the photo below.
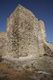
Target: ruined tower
(22, 27)
(25, 34)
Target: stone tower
(25, 35)
(22, 27)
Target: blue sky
(42, 9)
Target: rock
(48, 49)
(7, 72)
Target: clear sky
(42, 9)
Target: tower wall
(41, 36)
(22, 33)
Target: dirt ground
(7, 72)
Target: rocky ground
(9, 72)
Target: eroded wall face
(41, 36)
(22, 34)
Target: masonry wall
(22, 33)
(25, 34)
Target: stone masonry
(25, 35)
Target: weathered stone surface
(22, 33)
